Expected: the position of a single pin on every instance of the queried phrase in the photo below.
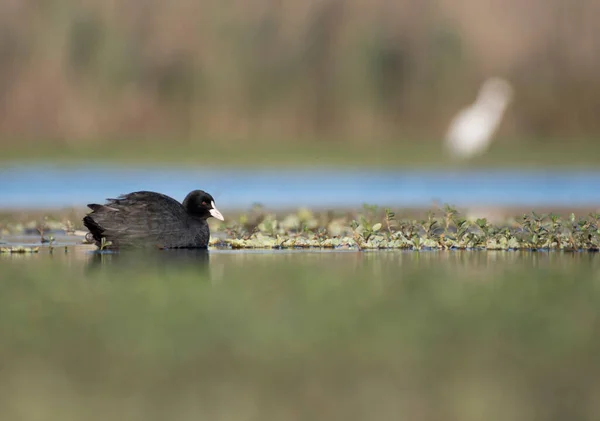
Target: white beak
(215, 212)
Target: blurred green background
(279, 81)
(300, 336)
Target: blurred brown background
(86, 70)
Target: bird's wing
(143, 218)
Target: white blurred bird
(472, 130)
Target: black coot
(148, 219)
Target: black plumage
(149, 219)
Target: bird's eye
(203, 203)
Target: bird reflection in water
(165, 263)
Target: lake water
(291, 335)
(48, 186)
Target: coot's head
(201, 204)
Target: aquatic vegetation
(371, 228)
(104, 243)
(19, 249)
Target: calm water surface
(292, 335)
(47, 186)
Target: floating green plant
(374, 228)
(19, 249)
(104, 243)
